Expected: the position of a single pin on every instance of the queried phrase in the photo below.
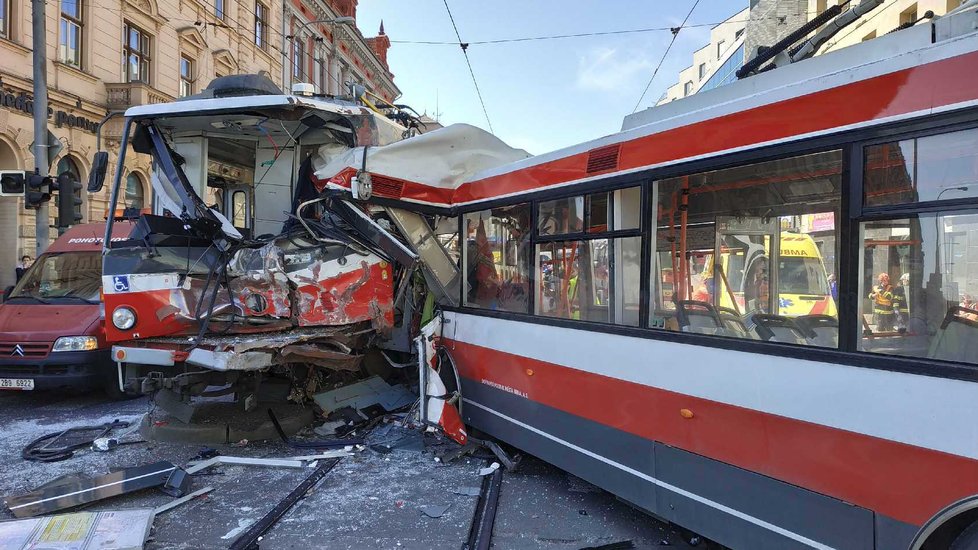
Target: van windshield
(802, 276)
(69, 275)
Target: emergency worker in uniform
(572, 302)
(882, 297)
(901, 302)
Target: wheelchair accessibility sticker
(120, 283)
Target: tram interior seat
(957, 339)
(777, 328)
(821, 330)
(698, 317)
(732, 323)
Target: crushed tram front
(251, 271)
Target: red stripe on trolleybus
(905, 482)
(898, 93)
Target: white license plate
(16, 383)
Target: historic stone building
(109, 55)
(330, 54)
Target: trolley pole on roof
(41, 165)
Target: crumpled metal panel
(259, 284)
(328, 347)
(345, 290)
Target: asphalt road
(369, 500)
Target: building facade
(880, 21)
(713, 64)
(765, 22)
(106, 56)
(330, 54)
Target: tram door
(237, 207)
(744, 280)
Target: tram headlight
(123, 318)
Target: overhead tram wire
(590, 34)
(675, 34)
(465, 52)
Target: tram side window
(597, 277)
(929, 168)
(497, 256)
(750, 251)
(918, 287)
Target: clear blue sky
(540, 95)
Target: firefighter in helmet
(882, 297)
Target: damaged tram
(249, 270)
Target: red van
(52, 332)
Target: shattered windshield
(69, 275)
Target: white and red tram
(626, 315)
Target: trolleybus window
(498, 258)
(929, 168)
(592, 278)
(749, 252)
(919, 285)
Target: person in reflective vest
(572, 298)
(901, 302)
(882, 297)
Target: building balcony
(122, 95)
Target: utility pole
(41, 166)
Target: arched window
(134, 191)
(68, 166)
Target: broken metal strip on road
(187, 498)
(250, 538)
(75, 493)
(244, 461)
(480, 534)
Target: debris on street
(243, 461)
(434, 510)
(61, 445)
(177, 483)
(184, 499)
(489, 469)
(255, 532)
(77, 491)
(467, 491)
(108, 530)
(364, 394)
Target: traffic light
(13, 183)
(68, 201)
(38, 191)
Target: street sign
(54, 147)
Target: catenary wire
(464, 47)
(675, 33)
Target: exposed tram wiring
(465, 52)
(675, 34)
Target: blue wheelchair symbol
(121, 283)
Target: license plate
(16, 383)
